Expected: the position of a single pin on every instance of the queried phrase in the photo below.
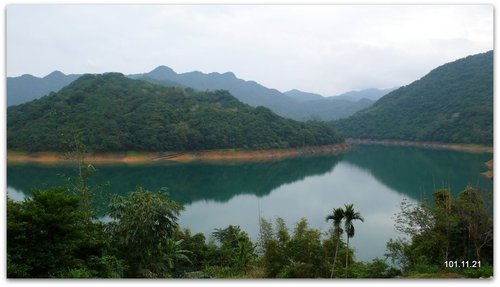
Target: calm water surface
(374, 178)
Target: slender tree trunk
(478, 252)
(335, 257)
(446, 253)
(347, 256)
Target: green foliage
(143, 228)
(482, 272)
(304, 254)
(114, 113)
(473, 214)
(237, 250)
(453, 103)
(378, 268)
(195, 248)
(451, 229)
(216, 271)
(399, 252)
(49, 235)
(423, 266)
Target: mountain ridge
(27, 87)
(452, 103)
(255, 94)
(292, 105)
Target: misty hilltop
(26, 88)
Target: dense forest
(54, 234)
(114, 113)
(453, 103)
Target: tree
(49, 236)
(350, 216)
(274, 244)
(144, 223)
(445, 221)
(80, 184)
(450, 229)
(175, 252)
(237, 248)
(414, 219)
(337, 216)
(473, 214)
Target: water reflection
(416, 172)
(186, 183)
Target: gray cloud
(325, 49)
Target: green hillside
(115, 113)
(453, 103)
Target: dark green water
(374, 178)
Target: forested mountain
(452, 103)
(293, 104)
(26, 88)
(115, 113)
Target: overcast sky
(327, 49)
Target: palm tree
(350, 215)
(174, 252)
(337, 216)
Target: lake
(374, 178)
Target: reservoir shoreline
(429, 145)
(226, 155)
(171, 156)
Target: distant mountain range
(26, 88)
(293, 104)
(369, 94)
(301, 96)
(452, 103)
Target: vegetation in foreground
(445, 237)
(52, 236)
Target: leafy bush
(49, 235)
(482, 272)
